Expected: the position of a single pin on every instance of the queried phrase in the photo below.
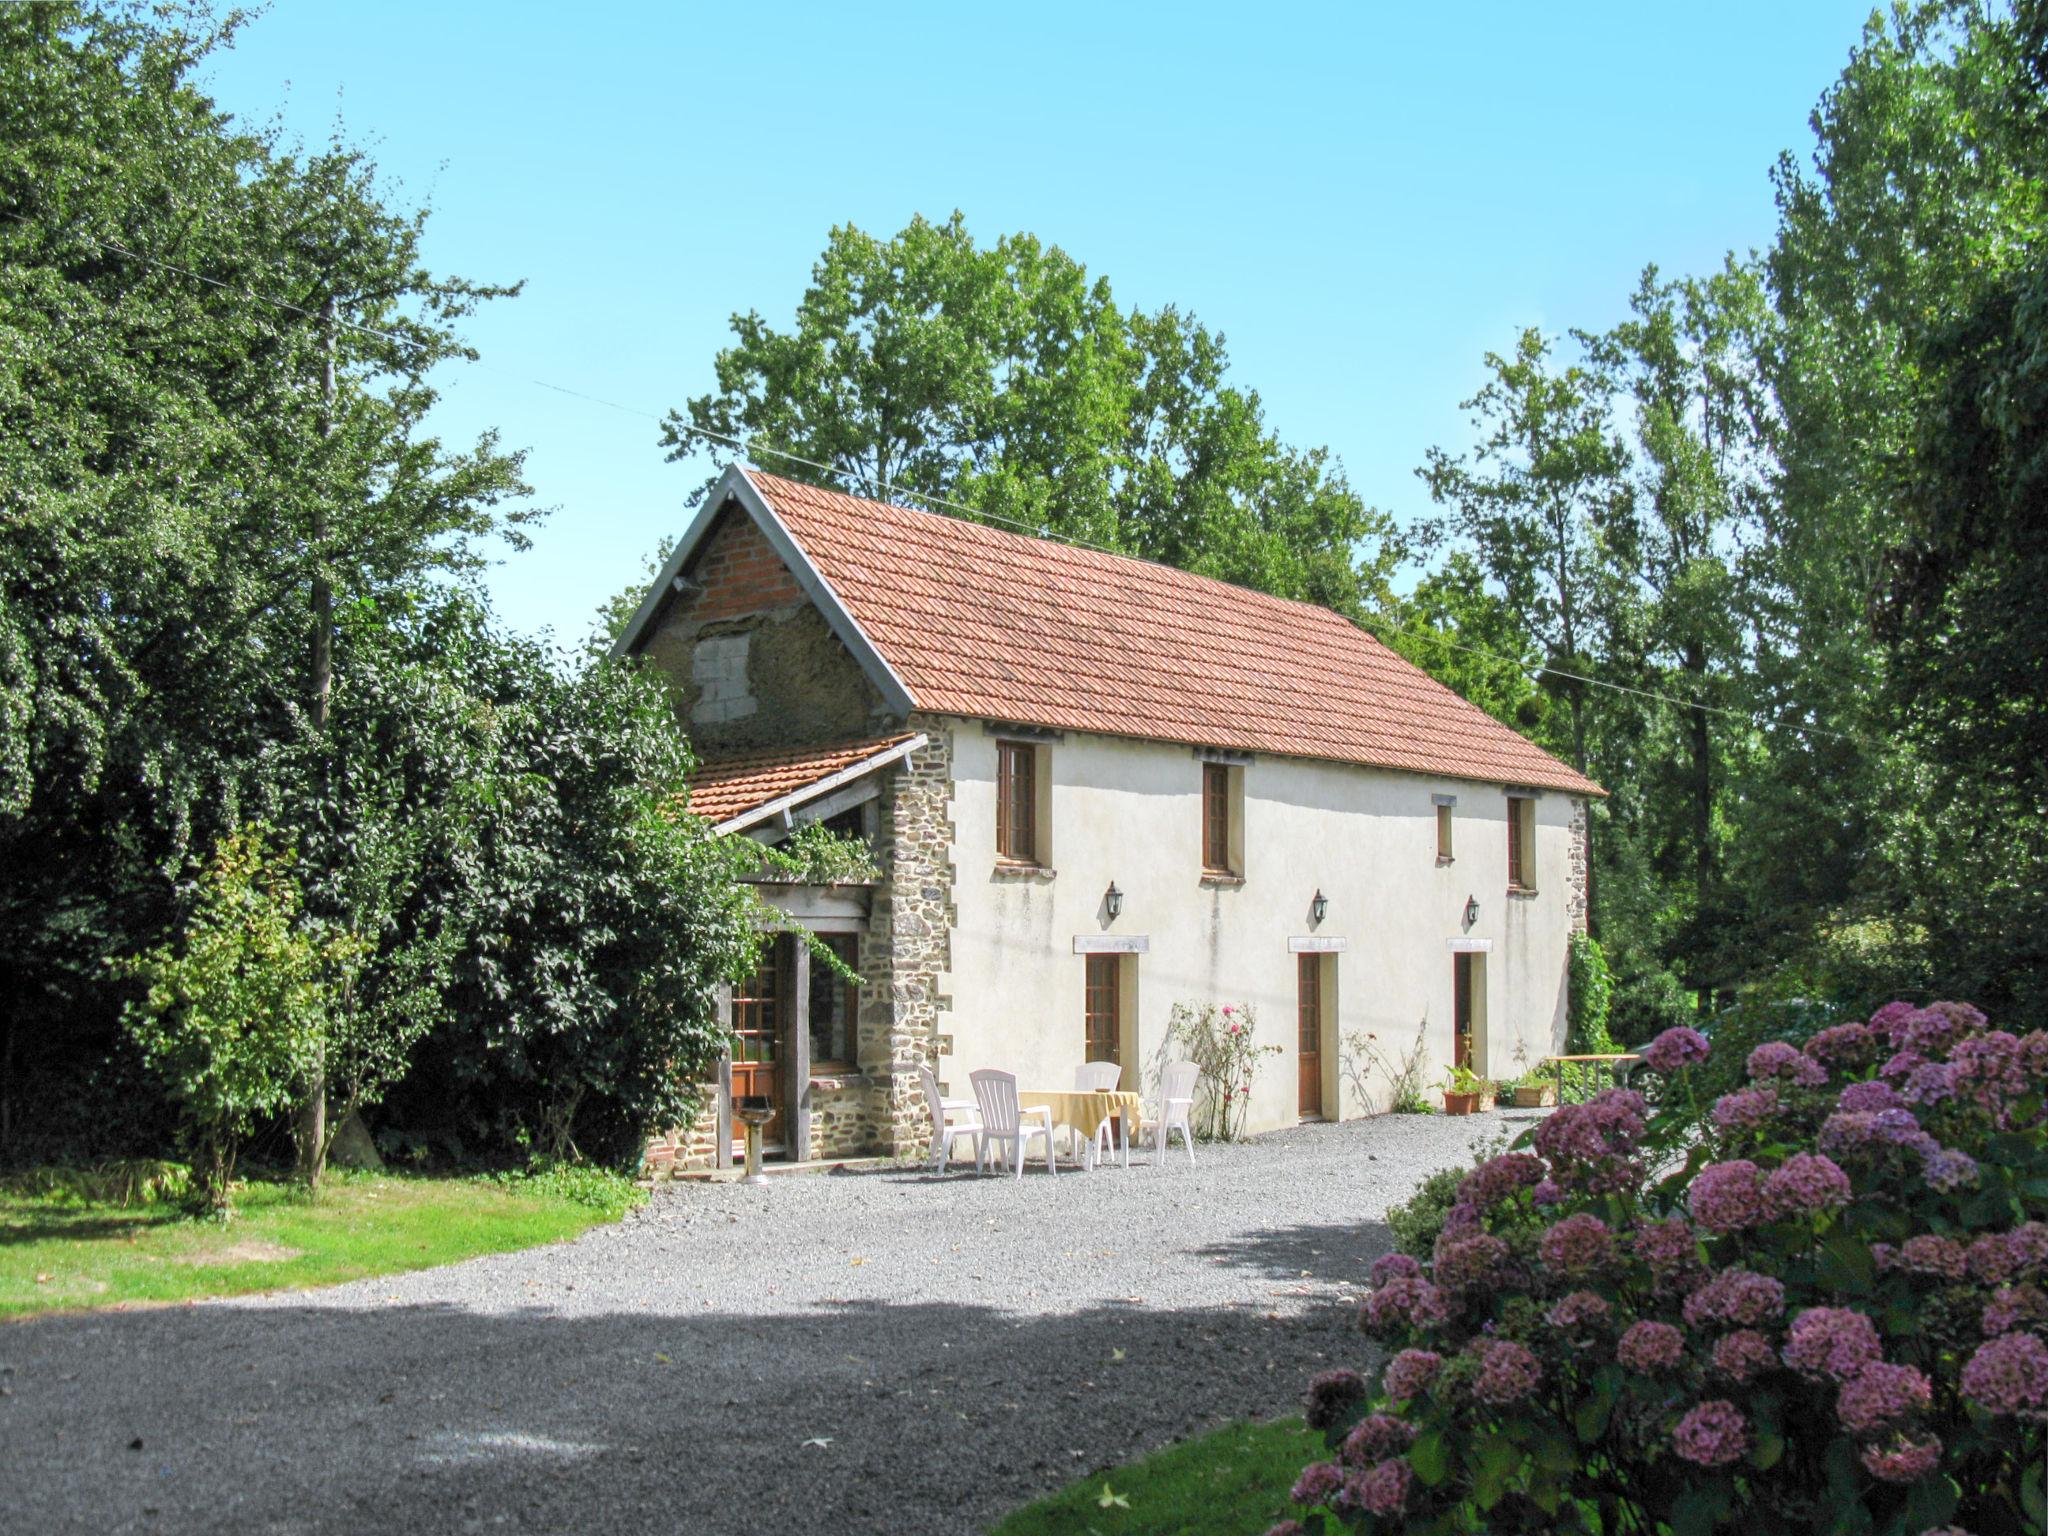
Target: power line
(884, 489)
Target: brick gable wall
(739, 574)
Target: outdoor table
(1617, 1066)
(1085, 1112)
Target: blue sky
(1363, 199)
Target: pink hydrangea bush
(1816, 1303)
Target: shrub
(230, 1018)
(1818, 1303)
(1223, 1040)
(599, 1189)
(1416, 1221)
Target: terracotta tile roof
(984, 623)
(727, 787)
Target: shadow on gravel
(1331, 1253)
(866, 1417)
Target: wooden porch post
(798, 1096)
(722, 1144)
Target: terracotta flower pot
(1460, 1103)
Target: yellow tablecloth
(1085, 1112)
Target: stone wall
(1578, 894)
(691, 1146)
(910, 936)
(750, 662)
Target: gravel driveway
(860, 1352)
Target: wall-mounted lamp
(1319, 907)
(1471, 910)
(1113, 902)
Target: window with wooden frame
(1521, 843)
(1443, 833)
(1216, 819)
(835, 1007)
(1017, 802)
(1101, 1009)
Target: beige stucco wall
(1130, 812)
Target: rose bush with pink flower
(1814, 1302)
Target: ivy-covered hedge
(1814, 1303)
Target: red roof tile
(724, 788)
(988, 624)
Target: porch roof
(734, 793)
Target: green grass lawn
(1230, 1483)
(59, 1252)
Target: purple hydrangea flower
(1384, 1489)
(1377, 1436)
(1776, 1059)
(1932, 1082)
(1843, 1045)
(1318, 1483)
(1989, 1070)
(1736, 1296)
(1649, 1348)
(1389, 1266)
(1948, 1170)
(1991, 1260)
(1461, 1220)
(1728, 1197)
(1903, 1458)
(1806, 1183)
(2028, 1244)
(1580, 1312)
(1940, 1027)
(1881, 1395)
(1592, 1146)
(1929, 1254)
(1286, 1528)
(1832, 1342)
(1469, 1263)
(1507, 1373)
(1578, 1245)
(1669, 1248)
(1712, 1434)
(1406, 1301)
(1744, 1355)
(1676, 1048)
(1868, 1097)
(2014, 1306)
(2008, 1374)
(1745, 1109)
(1547, 1193)
(1887, 1021)
(1497, 1178)
(1329, 1395)
(1902, 1065)
(1410, 1372)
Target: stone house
(1094, 787)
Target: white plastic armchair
(1176, 1107)
(951, 1119)
(1099, 1077)
(1005, 1123)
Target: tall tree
(1548, 468)
(1006, 380)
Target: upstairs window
(1521, 843)
(1216, 819)
(1017, 802)
(1443, 833)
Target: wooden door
(1461, 1010)
(759, 1019)
(1101, 1010)
(1309, 1034)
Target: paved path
(877, 1352)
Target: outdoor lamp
(1471, 910)
(1319, 908)
(1113, 901)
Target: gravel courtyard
(860, 1352)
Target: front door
(1461, 1009)
(1100, 1010)
(759, 1020)
(1309, 1034)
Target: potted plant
(1462, 1087)
(1536, 1089)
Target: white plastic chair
(1098, 1077)
(1003, 1120)
(951, 1119)
(1176, 1106)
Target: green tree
(230, 1017)
(1528, 501)
(1008, 381)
